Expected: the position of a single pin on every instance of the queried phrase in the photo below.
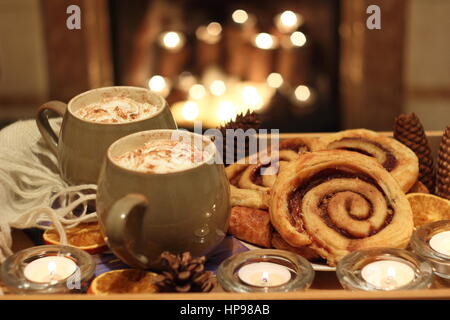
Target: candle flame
(51, 268)
(391, 273)
(265, 277)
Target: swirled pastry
(395, 157)
(338, 201)
(249, 187)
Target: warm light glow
(298, 39)
(288, 18)
(157, 83)
(190, 110)
(209, 34)
(172, 40)
(275, 80)
(239, 16)
(214, 28)
(302, 93)
(391, 273)
(251, 97)
(287, 21)
(51, 267)
(265, 41)
(226, 111)
(217, 87)
(197, 92)
(186, 80)
(265, 277)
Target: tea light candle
(264, 274)
(440, 242)
(388, 274)
(49, 269)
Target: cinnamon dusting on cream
(163, 156)
(116, 110)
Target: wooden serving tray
(325, 286)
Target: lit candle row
(237, 98)
(286, 22)
(221, 102)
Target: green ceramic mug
(143, 214)
(81, 144)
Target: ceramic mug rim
(210, 145)
(162, 104)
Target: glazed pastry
(395, 157)
(279, 243)
(337, 201)
(251, 225)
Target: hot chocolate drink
(116, 110)
(163, 156)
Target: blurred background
(303, 65)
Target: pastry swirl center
(350, 204)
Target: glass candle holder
(432, 242)
(384, 269)
(265, 270)
(48, 269)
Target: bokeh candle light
(265, 41)
(172, 40)
(239, 16)
(159, 84)
(288, 21)
(298, 39)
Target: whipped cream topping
(116, 110)
(163, 156)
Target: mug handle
(126, 210)
(50, 137)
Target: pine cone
(185, 274)
(245, 122)
(443, 166)
(409, 131)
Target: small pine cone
(235, 151)
(409, 131)
(443, 166)
(185, 274)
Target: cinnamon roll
(249, 187)
(338, 201)
(395, 157)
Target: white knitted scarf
(32, 193)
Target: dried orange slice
(427, 208)
(124, 281)
(85, 236)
